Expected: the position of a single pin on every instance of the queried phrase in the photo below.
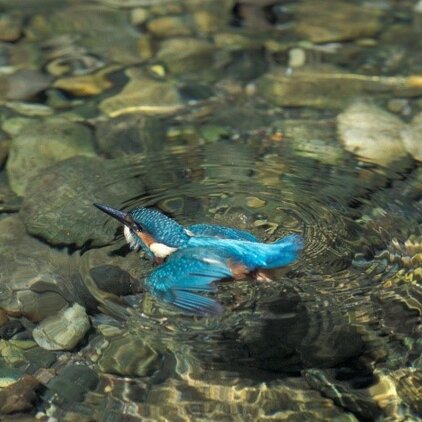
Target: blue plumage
(254, 255)
(198, 255)
(221, 232)
(185, 272)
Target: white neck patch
(160, 250)
(130, 238)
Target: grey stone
(43, 143)
(58, 202)
(64, 330)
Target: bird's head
(148, 227)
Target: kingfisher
(198, 255)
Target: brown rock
(20, 396)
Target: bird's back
(254, 255)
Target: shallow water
(128, 107)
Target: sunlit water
(335, 336)
(335, 318)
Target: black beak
(121, 216)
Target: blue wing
(253, 255)
(185, 272)
(221, 232)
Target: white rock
(64, 330)
(371, 133)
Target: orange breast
(146, 238)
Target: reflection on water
(118, 116)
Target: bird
(196, 256)
(160, 236)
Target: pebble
(64, 330)
(143, 94)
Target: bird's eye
(137, 227)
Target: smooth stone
(20, 396)
(23, 84)
(297, 57)
(186, 55)
(86, 85)
(29, 109)
(73, 382)
(144, 95)
(92, 24)
(210, 16)
(58, 203)
(12, 355)
(129, 356)
(10, 328)
(237, 41)
(131, 134)
(327, 87)
(10, 26)
(335, 20)
(9, 201)
(9, 376)
(139, 16)
(111, 271)
(30, 276)
(14, 125)
(39, 358)
(170, 26)
(371, 133)
(255, 202)
(43, 143)
(314, 139)
(412, 137)
(64, 330)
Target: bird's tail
(284, 251)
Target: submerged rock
(20, 396)
(170, 26)
(10, 26)
(37, 281)
(86, 85)
(64, 330)
(412, 137)
(371, 133)
(29, 277)
(336, 20)
(40, 144)
(23, 84)
(328, 87)
(314, 139)
(104, 31)
(73, 382)
(58, 202)
(129, 355)
(9, 376)
(143, 94)
(131, 134)
(186, 55)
